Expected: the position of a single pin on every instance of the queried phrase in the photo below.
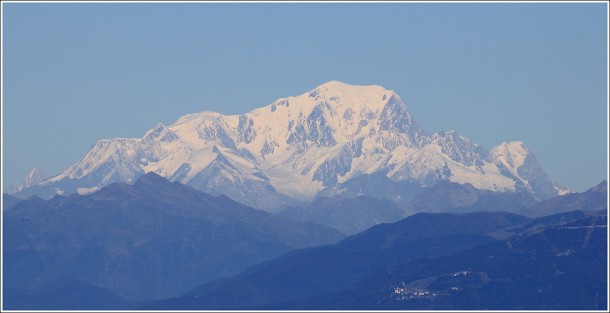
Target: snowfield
(297, 146)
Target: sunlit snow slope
(297, 146)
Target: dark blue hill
(558, 267)
(9, 201)
(150, 240)
(64, 294)
(315, 271)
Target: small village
(413, 291)
(403, 293)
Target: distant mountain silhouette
(149, 240)
(452, 197)
(347, 215)
(476, 260)
(558, 267)
(9, 201)
(591, 200)
(350, 213)
(64, 294)
(315, 271)
(126, 245)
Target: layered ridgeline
(448, 261)
(149, 240)
(326, 139)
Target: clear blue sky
(76, 73)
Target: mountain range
(478, 260)
(124, 246)
(559, 266)
(351, 215)
(332, 199)
(328, 141)
(149, 240)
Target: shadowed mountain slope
(149, 240)
(315, 271)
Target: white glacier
(297, 146)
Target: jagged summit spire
(34, 177)
(36, 174)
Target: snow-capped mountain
(34, 177)
(295, 147)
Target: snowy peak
(115, 156)
(335, 98)
(330, 114)
(354, 102)
(512, 154)
(337, 93)
(460, 148)
(34, 177)
(516, 161)
(159, 133)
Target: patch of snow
(563, 190)
(86, 191)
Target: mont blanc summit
(295, 147)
